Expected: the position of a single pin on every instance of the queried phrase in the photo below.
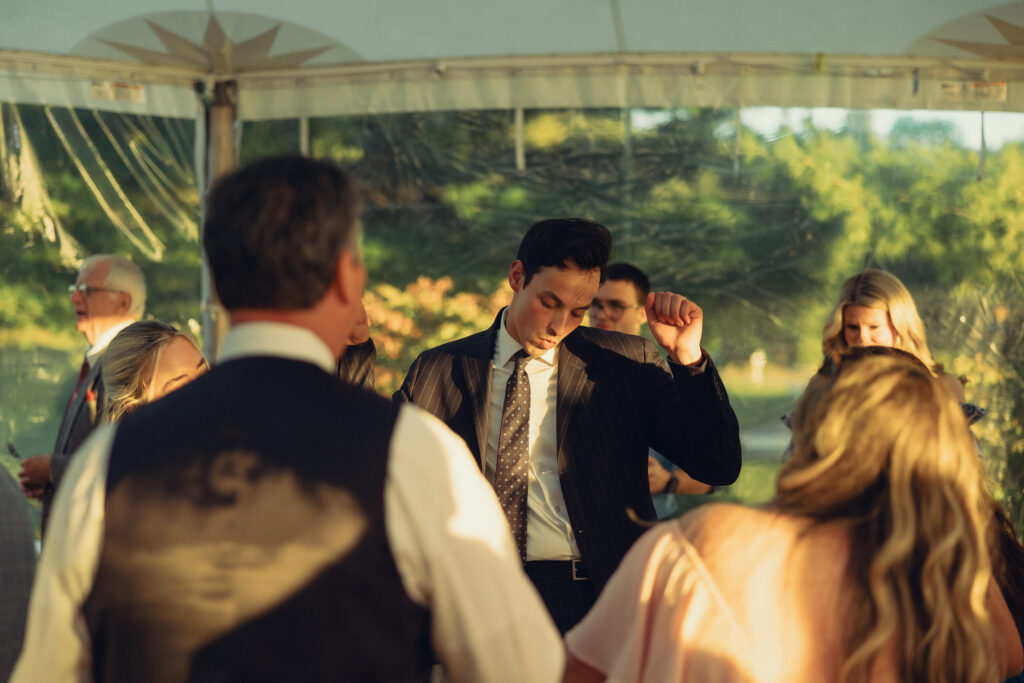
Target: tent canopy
(318, 58)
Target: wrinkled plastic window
(75, 183)
(758, 226)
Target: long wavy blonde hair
(129, 362)
(884, 449)
(882, 291)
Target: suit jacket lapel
(79, 404)
(573, 389)
(478, 385)
(476, 366)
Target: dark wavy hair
(629, 273)
(274, 231)
(563, 242)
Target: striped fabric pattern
(617, 398)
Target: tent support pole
(520, 142)
(221, 157)
(627, 176)
(304, 136)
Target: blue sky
(1000, 127)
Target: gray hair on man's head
(124, 276)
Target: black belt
(570, 570)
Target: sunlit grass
(755, 486)
(758, 406)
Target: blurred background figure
(356, 365)
(145, 361)
(108, 295)
(758, 362)
(17, 565)
(869, 564)
(875, 309)
(619, 307)
(619, 303)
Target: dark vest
(245, 538)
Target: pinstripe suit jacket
(356, 365)
(616, 398)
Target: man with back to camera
(109, 295)
(619, 306)
(320, 532)
(560, 417)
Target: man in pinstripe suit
(597, 401)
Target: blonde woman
(146, 361)
(875, 309)
(872, 562)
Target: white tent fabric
(218, 62)
(315, 57)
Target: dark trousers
(567, 601)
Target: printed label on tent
(977, 92)
(118, 91)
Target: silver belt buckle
(576, 577)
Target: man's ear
(349, 277)
(641, 313)
(516, 275)
(124, 303)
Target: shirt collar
(277, 339)
(507, 346)
(93, 353)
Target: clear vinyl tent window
(75, 182)
(757, 214)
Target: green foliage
(139, 167)
(908, 132)
(759, 230)
(406, 322)
(981, 331)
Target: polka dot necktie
(512, 474)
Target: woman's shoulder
(729, 532)
(716, 519)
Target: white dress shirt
(549, 533)
(455, 555)
(93, 353)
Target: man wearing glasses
(619, 307)
(109, 295)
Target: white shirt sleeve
(57, 645)
(455, 555)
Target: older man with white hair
(109, 295)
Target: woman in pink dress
(872, 562)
